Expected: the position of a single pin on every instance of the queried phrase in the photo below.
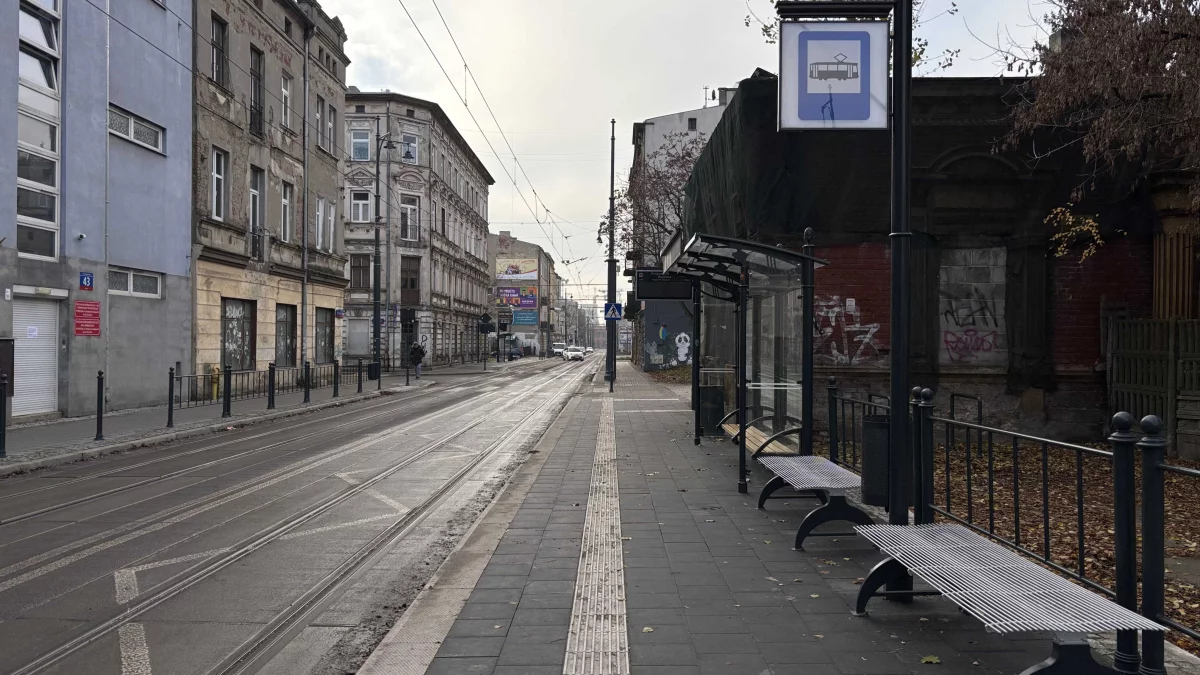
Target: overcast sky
(556, 71)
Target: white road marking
(598, 643)
(126, 579)
(135, 655)
(620, 400)
(654, 411)
(400, 508)
(329, 528)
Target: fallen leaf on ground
(647, 629)
(930, 659)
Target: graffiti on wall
(971, 305)
(840, 338)
(669, 350)
(668, 339)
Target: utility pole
(381, 143)
(611, 356)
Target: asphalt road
(282, 548)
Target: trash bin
(373, 371)
(875, 459)
(712, 408)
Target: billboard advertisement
(517, 296)
(525, 317)
(513, 269)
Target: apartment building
(94, 246)
(432, 220)
(270, 266)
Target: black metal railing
(846, 413)
(227, 386)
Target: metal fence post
(337, 378)
(271, 374)
(918, 468)
(834, 450)
(171, 398)
(924, 499)
(1153, 447)
(307, 380)
(1124, 444)
(360, 376)
(3, 415)
(227, 395)
(99, 405)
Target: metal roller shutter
(35, 329)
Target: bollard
(3, 415)
(1124, 448)
(271, 385)
(834, 455)
(337, 377)
(227, 395)
(171, 398)
(307, 380)
(1153, 447)
(378, 376)
(360, 376)
(99, 405)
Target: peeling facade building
(270, 266)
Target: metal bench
(809, 473)
(1006, 591)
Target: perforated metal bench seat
(808, 473)
(1007, 592)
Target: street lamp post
(611, 356)
(381, 143)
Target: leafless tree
(650, 202)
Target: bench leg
(1071, 655)
(836, 509)
(887, 571)
(769, 489)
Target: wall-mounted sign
(85, 281)
(87, 318)
(525, 317)
(504, 315)
(652, 284)
(517, 268)
(833, 75)
(339, 313)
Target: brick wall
(1120, 273)
(853, 305)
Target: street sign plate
(612, 311)
(504, 315)
(833, 75)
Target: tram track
(405, 404)
(284, 627)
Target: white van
(558, 348)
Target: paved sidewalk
(711, 584)
(78, 433)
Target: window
(285, 336)
(130, 282)
(360, 146)
(408, 143)
(442, 165)
(37, 169)
(410, 281)
(257, 193)
(220, 45)
(409, 112)
(360, 270)
(287, 27)
(37, 133)
(220, 165)
(320, 127)
(324, 336)
(256, 92)
(330, 126)
(329, 225)
(320, 222)
(691, 124)
(443, 221)
(285, 217)
(237, 333)
(37, 29)
(285, 102)
(410, 217)
(360, 207)
(360, 108)
(133, 128)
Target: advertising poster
(513, 269)
(525, 317)
(524, 296)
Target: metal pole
(696, 297)
(743, 308)
(901, 239)
(3, 415)
(1124, 448)
(375, 321)
(170, 401)
(378, 376)
(307, 380)
(1153, 447)
(271, 375)
(100, 405)
(806, 368)
(832, 419)
(360, 376)
(227, 395)
(611, 357)
(337, 378)
(308, 33)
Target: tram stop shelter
(752, 319)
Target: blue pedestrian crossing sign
(612, 311)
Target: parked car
(573, 354)
(513, 353)
(558, 348)
(588, 350)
